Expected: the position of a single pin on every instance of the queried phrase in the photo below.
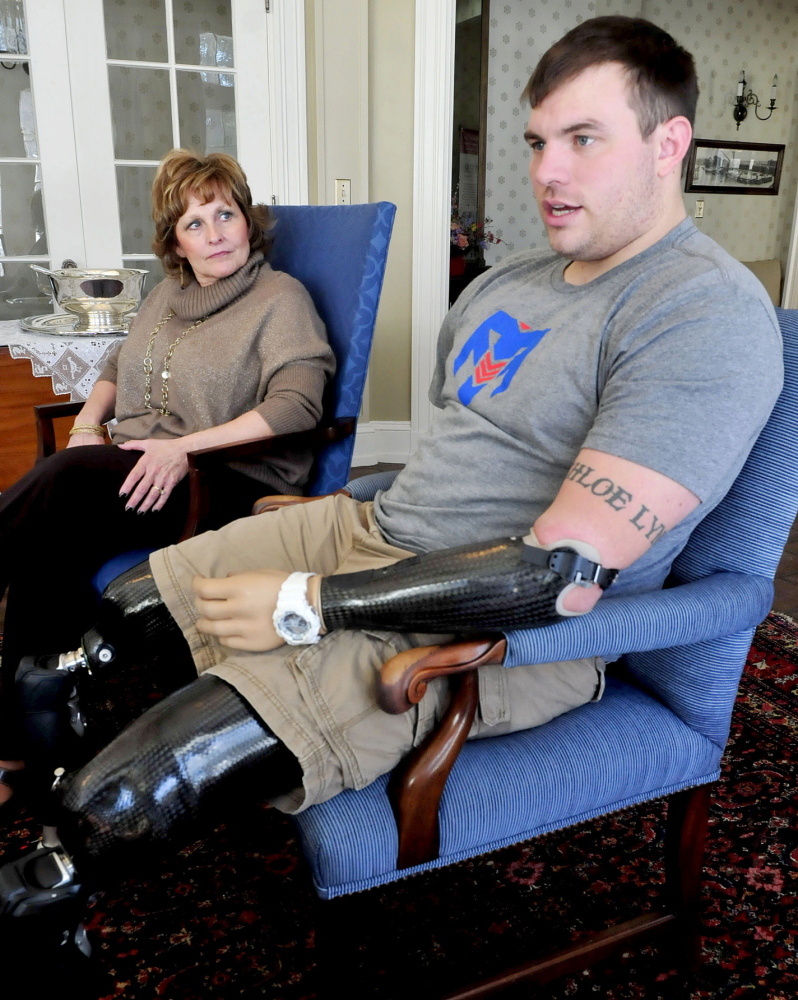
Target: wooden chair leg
(685, 843)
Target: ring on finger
(158, 488)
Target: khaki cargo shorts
(320, 699)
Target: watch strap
(292, 598)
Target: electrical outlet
(699, 209)
(343, 191)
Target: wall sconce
(740, 110)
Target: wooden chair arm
(337, 430)
(45, 413)
(403, 678)
(416, 785)
(200, 461)
(267, 504)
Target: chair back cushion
(338, 252)
(749, 528)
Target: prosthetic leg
(132, 620)
(145, 793)
(164, 773)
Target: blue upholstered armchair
(339, 253)
(659, 730)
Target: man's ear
(673, 137)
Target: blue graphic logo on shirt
(498, 348)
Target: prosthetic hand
(131, 618)
(146, 791)
(495, 586)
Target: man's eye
(585, 140)
(537, 146)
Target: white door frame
(432, 178)
(46, 27)
(789, 299)
(288, 114)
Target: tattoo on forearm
(619, 499)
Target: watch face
(294, 625)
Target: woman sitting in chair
(223, 350)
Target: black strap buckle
(580, 570)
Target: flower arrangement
(469, 235)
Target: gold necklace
(163, 409)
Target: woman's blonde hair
(182, 174)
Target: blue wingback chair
(659, 730)
(339, 253)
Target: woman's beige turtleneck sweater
(262, 347)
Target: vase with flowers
(468, 238)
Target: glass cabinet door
(23, 234)
(94, 92)
(161, 98)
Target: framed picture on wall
(720, 166)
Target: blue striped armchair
(660, 729)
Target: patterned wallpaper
(760, 36)
(520, 32)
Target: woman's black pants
(58, 525)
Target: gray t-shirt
(672, 360)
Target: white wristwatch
(295, 621)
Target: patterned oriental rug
(234, 914)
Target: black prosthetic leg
(167, 771)
(146, 793)
(134, 634)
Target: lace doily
(72, 365)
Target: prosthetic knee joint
(132, 620)
(145, 791)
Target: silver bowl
(101, 298)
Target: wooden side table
(38, 369)
(20, 391)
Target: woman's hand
(76, 440)
(152, 479)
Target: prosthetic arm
(497, 585)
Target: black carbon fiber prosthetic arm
(149, 786)
(494, 586)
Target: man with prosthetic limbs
(203, 740)
(606, 394)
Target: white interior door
(112, 86)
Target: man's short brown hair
(180, 175)
(662, 77)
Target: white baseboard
(382, 441)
